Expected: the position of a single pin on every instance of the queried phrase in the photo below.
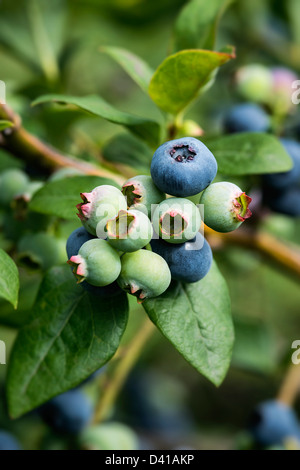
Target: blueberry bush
(166, 172)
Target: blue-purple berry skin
(284, 181)
(273, 422)
(283, 202)
(8, 441)
(75, 241)
(183, 167)
(186, 265)
(68, 413)
(246, 117)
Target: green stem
(122, 370)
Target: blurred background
(55, 47)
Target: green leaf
(128, 150)
(196, 319)
(9, 279)
(136, 68)
(182, 76)
(71, 334)
(250, 153)
(196, 23)
(61, 197)
(5, 124)
(97, 106)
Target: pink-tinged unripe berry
(282, 88)
(129, 231)
(176, 220)
(98, 206)
(226, 206)
(97, 263)
(142, 194)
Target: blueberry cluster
(138, 239)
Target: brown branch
(290, 387)
(26, 146)
(286, 255)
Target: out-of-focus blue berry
(283, 202)
(272, 422)
(246, 117)
(68, 413)
(8, 441)
(284, 181)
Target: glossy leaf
(9, 279)
(71, 334)
(97, 106)
(250, 153)
(195, 24)
(196, 319)
(136, 68)
(182, 76)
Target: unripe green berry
(254, 82)
(97, 263)
(99, 206)
(225, 206)
(144, 274)
(41, 250)
(12, 182)
(129, 231)
(176, 220)
(141, 193)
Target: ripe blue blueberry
(98, 206)
(97, 263)
(144, 274)
(129, 231)
(141, 193)
(183, 167)
(68, 413)
(273, 422)
(176, 220)
(75, 241)
(8, 441)
(225, 206)
(287, 179)
(247, 117)
(189, 261)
